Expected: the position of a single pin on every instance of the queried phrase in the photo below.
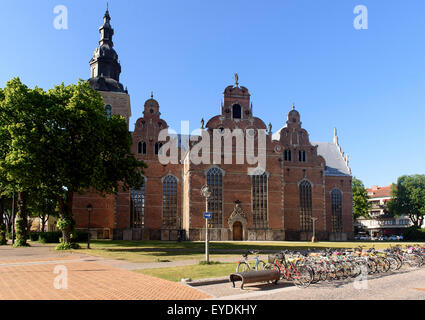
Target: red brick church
(302, 180)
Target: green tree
(408, 198)
(361, 205)
(42, 205)
(62, 142)
(3, 226)
(86, 150)
(21, 131)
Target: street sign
(208, 215)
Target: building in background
(302, 179)
(380, 223)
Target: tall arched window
(137, 206)
(237, 111)
(288, 155)
(306, 206)
(158, 146)
(259, 200)
(215, 202)
(336, 203)
(169, 201)
(141, 147)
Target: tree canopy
(60, 142)
(21, 146)
(361, 204)
(408, 198)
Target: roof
(379, 192)
(335, 163)
(276, 135)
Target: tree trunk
(414, 220)
(21, 223)
(43, 222)
(421, 221)
(65, 213)
(3, 240)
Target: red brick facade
(113, 215)
(302, 180)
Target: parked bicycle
(244, 266)
(291, 269)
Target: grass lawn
(157, 251)
(193, 272)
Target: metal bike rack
(255, 276)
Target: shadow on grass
(165, 249)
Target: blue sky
(370, 84)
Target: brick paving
(28, 274)
(88, 281)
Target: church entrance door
(237, 231)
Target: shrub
(34, 236)
(203, 263)
(80, 236)
(49, 237)
(67, 246)
(414, 234)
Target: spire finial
(336, 137)
(202, 123)
(293, 105)
(151, 94)
(236, 80)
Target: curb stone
(208, 281)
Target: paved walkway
(406, 284)
(38, 273)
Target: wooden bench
(255, 276)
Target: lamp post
(89, 210)
(313, 239)
(206, 193)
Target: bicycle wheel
(331, 272)
(357, 269)
(414, 261)
(302, 276)
(316, 273)
(387, 264)
(340, 272)
(243, 267)
(379, 265)
(272, 266)
(261, 265)
(393, 263)
(323, 274)
(371, 267)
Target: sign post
(206, 193)
(207, 251)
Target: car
(393, 238)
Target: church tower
(105, 70)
